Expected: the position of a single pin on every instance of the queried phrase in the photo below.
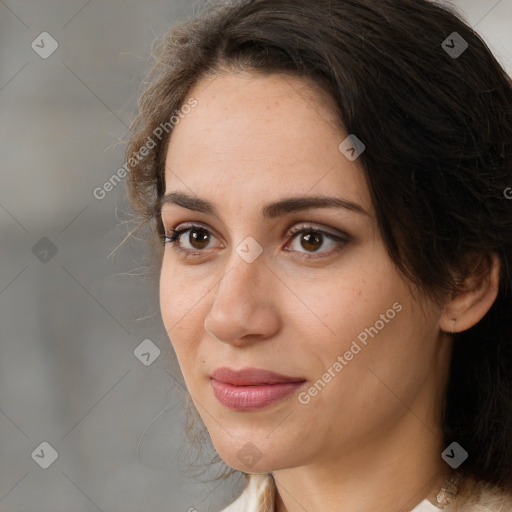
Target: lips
(251, 377)
(251, 388)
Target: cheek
(386, 343)
(182, 291)
(351, 300)
(182, 300)
(366, 318)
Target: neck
(393, 472)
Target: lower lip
(247, 398)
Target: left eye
(313, 239)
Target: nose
(243, 310)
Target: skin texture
(370, 439)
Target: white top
(425, 506)
(258, 489)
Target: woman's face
(324, 308)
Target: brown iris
(311, 241)
(199, 236)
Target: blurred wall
(71, 320)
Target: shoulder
(258, 495)
(478, 496)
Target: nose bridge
(241, 304)
(243, 276)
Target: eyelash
(173, 239)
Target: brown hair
(438, 134)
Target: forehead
(254, 135)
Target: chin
(258, 455)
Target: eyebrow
(271, 210)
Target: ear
(475, 295)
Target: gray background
(69, 325)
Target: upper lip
(250, 377)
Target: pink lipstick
(251, 388)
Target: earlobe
(475, 296)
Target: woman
(329, 180)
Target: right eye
(197, 240)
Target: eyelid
(311, 226)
